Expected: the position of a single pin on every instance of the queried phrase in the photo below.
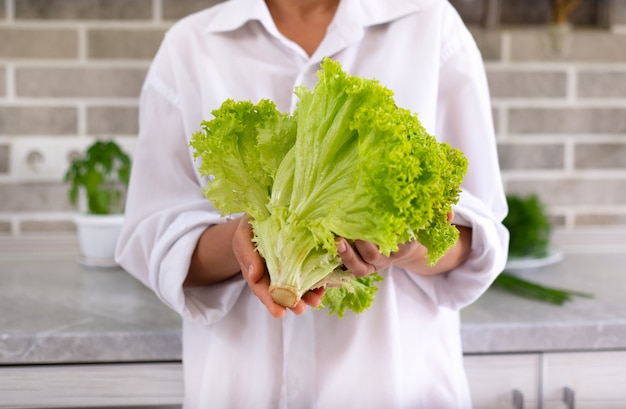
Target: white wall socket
(46, 159)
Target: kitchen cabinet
(503, 381)
(553, 380)
(597, 380)
(91, 385)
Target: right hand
(255, 273)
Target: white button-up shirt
(405, 351)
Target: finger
(243, 247)
(313, 298)
(352, 260)
(253, 268)
(450, 216)
(369, 252)
(403, 250)
(299, 308)
(259, 283)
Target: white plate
(524, 263)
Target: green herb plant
(348, 162)
(103, 172)
(529, 226)
(530, 231)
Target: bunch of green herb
(528, 225)
(528, 289)
(530, 232)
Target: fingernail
(341, 246)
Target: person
(240, 349)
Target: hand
(255, 273)
(364, 258)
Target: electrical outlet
(44, 159)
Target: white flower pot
(559, 39)
(97, 237)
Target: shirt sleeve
(166, 211)
(465, 121)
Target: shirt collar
(236, 13)
(233, 14)
(374, 12)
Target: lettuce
(348, 162)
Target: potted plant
(98, 182)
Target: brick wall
(561, 120)
(71, 70)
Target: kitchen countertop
(503, 322)
(53, 310)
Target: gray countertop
(53, 310)
(502, 322)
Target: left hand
(364, 258)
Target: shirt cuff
(169, 265)
(466, 283)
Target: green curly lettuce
(348, 162)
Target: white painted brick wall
(561, 159)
